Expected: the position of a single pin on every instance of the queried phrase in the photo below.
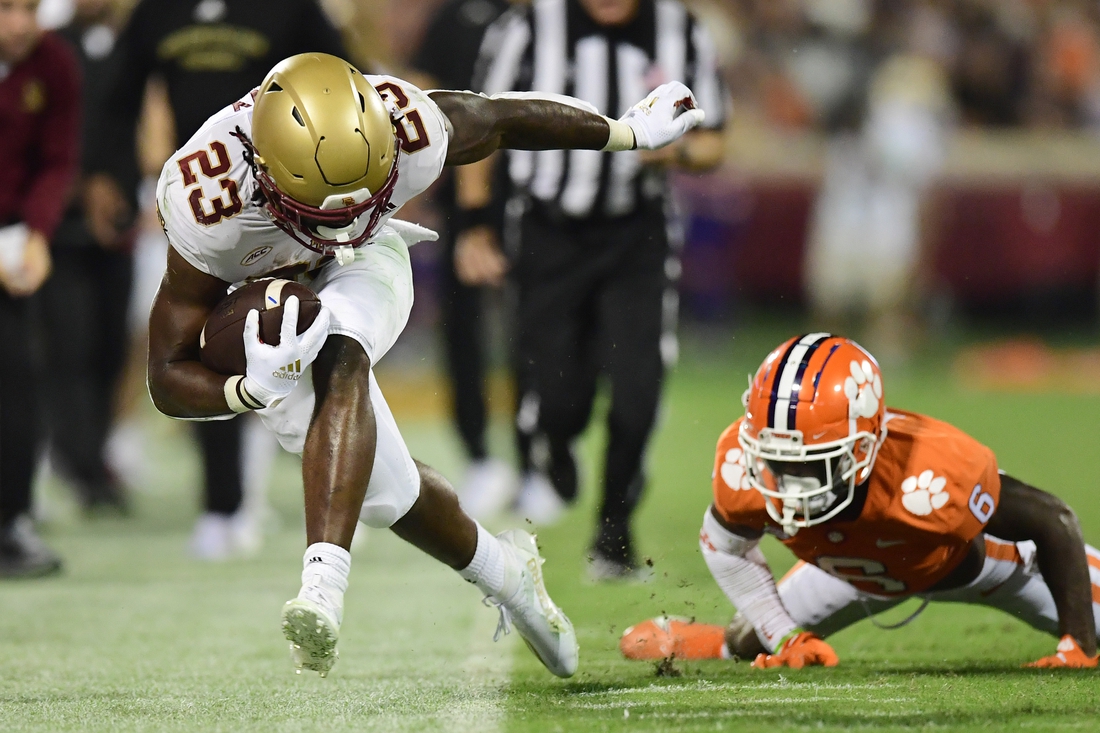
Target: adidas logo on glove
(292, 371)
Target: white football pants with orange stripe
(1009, 580)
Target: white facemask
(801, 485)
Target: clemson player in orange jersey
(879, 505)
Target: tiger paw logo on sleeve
(924, 493)
(733, 470)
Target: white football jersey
(206, 188)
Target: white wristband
(237, 397)
(620, 137)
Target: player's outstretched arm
(1026, 513)
(479, 125)
(733, 556)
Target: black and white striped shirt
(553, 46)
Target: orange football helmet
(813, 424)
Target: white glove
(662, 117)
(274, 371)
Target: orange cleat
(671, 636)
(799, 649)
(1069, 655)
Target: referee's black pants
(464, 339)
(590, 305)
(19, 433)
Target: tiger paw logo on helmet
(863, 389)
(733, 470)
(924, 493)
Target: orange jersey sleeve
(942, 480)
(734, 497)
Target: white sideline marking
(488, 667)
(704, 686)
(718, 714)
(748, 701)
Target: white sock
(486, 570)
(325, 569)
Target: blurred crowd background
(952, 143)
(893, 169)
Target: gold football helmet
(325, 151)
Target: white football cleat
(525, 603)
(312, 633)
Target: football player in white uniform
(300, 179)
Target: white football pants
(1009, 580)
(370, 300)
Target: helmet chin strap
(795, 485)
(344, 254)
(789, 527)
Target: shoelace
(504, 625)
(554, 618)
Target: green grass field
(137, 637)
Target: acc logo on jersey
(255, 255)
(733, 470)
(924, 493)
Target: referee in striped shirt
(592, 258)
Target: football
(222, 338)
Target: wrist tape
(779, 645)
(620, 136)
(238, 398)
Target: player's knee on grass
(741, 639)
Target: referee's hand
(478, 259)
(663, 117)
